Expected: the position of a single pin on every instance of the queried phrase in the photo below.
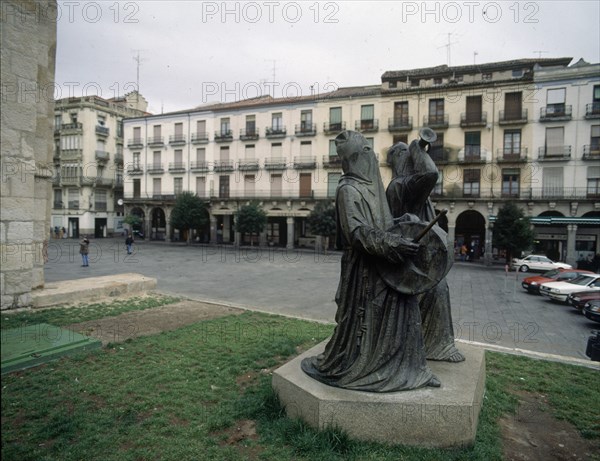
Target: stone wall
(27, 79)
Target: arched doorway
(158, 227)
(586, 244)
(470, 231)
(551, 240)
(139, 228)
(443, 221)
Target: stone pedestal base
(427, 417)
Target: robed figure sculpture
(377, 345)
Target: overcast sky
(194, 52)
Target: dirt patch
(151, 321)
(534, 434)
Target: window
(119, 129)
(555, 101)
(471, 183)
(510, 182)
(70, 142)
(200, 155)
(595, 139)
(276, 185)
(438, 189)
(400, 138)
(137, 188)
(596, 96)
(136, 160)
(552, 181)
(473, 144)
(250, 125)
(436, 111)
(367, 117)
(392, 84)
(277, 121)
(332, 148)
(437, 81)
(401, 113)
(486, 76)
(156, 160)
(156, 130)
(102, 120)
(555, 140)
(201, 186)
(137, 134)
(156, 187)
(436, 149)
(224, 154)
(57, 122)
(178, 130)
(223, 186)
(332, 182)
(473, 109)
(276, 150)
(512, 143)
(100, 200)
(201, 129)
(593, 181)
(306, 120)
(305, 185)
(249, 182)
(178, 158)
(58, 202)
(178, 185)
(225, 127)
(119, 176)
(517, 73)
(335, 118)
(73, 117)
(415, 82)
(73, 195)
(513, 104)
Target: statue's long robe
(377, 344)
(409, 192)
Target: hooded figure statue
(377, 345)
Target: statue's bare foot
(456, 356)
(434, 382)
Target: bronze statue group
(393, 301)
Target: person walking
(84, 250)
(129, 243)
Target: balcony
(87, 180)
(135, 143)
(57, 205)
(471, 155)
(73, 204)
(439, 121)
(554, 153)
(555, 113)
(275, 132)
(592, 110)
(331, 128)
(104, 182)
(156, 141)
(367, 126)
(332, 161)
(511, 154)
(248, 164)
(119, 158)
(102, 156)
(71, 154)
(223, 136)
(468, 120)
(591, 152)
(155, 168)
(134, 170)
(177, 167)
(275, 163)
(100, 206)
(305, 163)
(249, 135)
(439, 154)
(177, 140)
(102, 131)
(512, 117)
(199, 138)
(400, 124)
(71, 128)
(223, 166)
(558, 193)
(305, 129)
(199, 167)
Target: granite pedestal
(427, 417)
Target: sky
(190, 53)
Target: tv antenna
(475, 53)
(138, 60)
(540, 53)
(448, 46)
(273, 74)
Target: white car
(558, 291)
(537, 263)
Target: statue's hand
(407, 248)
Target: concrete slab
(91, 289)
(32, 345)
(428, 417)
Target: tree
(189, 212)
(132, 220)
(512, 230)
(251, 219)
(321, 220)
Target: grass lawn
(182, 395)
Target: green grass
(83, 312)
(179, 396)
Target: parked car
(592, 310)
(537, 263)
(532, 284)
(558, 291)
(579, 298)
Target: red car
(532, 284)
(580, 298)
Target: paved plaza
(488, 306)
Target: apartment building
(88, 164)
(282, 152)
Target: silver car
(537, 263)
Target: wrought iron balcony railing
(275, 131)
(305, 129)
(248, 164)
(333, 127)
(468, 120)
(223, 166)
(512, 117)
(305, 162)
(367, 126)
(223, 136)
(591, 152)
(102, 130)
(177, 167)
(275, 163)
(554, 153)
(555, 112)
(199, 167)
(249, 135)
(135, 143)
(511, 154)
(177, 140)
(155, 168)
(592, 110)
(102, 156)
(199, 138)
(332, 161)
(436, 120)
(156, 141)
(396, 124)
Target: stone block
(17, 282)
(427, 417)
(20, 231)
